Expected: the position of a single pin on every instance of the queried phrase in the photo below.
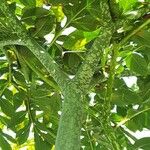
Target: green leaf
(49, 136)
(78, 39)
(143, 143)
(64, 2)
(44, 25)
(127, 4)
(18, 99)
(39, 2)
(22, 134)
(58, 11)
(4, 120)
(124, 97)
(121, 111)
(17, 118)
(19, 78)
(143, 38)
(8, 94)
(30, 3)
(7, 107)
(71, 62)
(1, 14)
(31, 14)
(51, 105)
(137, 63)
(79, 17)
(40, 143)
(9, 138)
(74, 61)
(86, 23)
(4, 145)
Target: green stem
(131, 117)
(113, 63)
(11, 42)
(115, 52)
(125, 39)
(89, 137)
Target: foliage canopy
(77, 77)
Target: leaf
(49, 136)
(137, 119)
(143, 38)
(40, 143)
(44, 25)
(7, 107)
(22, 134)
(9, 138)
(18, 99)
(58, 11)
(1, 14)
(86, 23)
(78, 39)
(124, 97)
(143, 143)
(37, 67)
(77, 14)
(51, 105)
(64, 2)
(4, 120)
(122, 111)
(71, 62)
(116, 117)
(4, 145)
(39, 2)
(19, 78)
(8, 94)
(30, 3)
(74, 61)
(127, 4)
(17, 118)
(31, 14)
(137, 63)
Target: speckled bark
(10, 42)
(86, 71)
(68, 135)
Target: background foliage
(31, 100)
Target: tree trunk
(68, 135)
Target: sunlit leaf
(78, 39)
(127, 5)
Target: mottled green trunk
(68, 135)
